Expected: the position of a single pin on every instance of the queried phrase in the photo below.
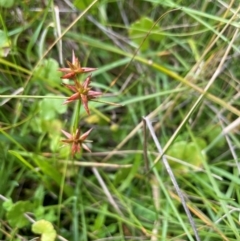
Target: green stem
(77, 116)
(33, 96)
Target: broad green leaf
(83, 4)
(145, 212)
(55, 127)
(212, 132)
(6, 3)
(39, 194)
(47, 72)
(50, 215)
(201, 143)
(40, 125)
(7, 205)
(42, 226)
(49, 108)
(193, 154)
(46, 229)
(190, 152)
(5, 43)
(49, 236)
(141, 28)
(15, 215)
(54, 143)
(177, 150)
(39, 212)
(35, 123)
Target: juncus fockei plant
(82, 93)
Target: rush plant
(83, 94)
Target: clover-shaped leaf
(81, 5)
(8, 204)
(5, 43)
(6, 3)
(49, 108)
(190, 152)
(47, 72)
(46, 229)
(139, 29)
(15, 215)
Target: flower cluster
(82, 93)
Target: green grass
(175, 63)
